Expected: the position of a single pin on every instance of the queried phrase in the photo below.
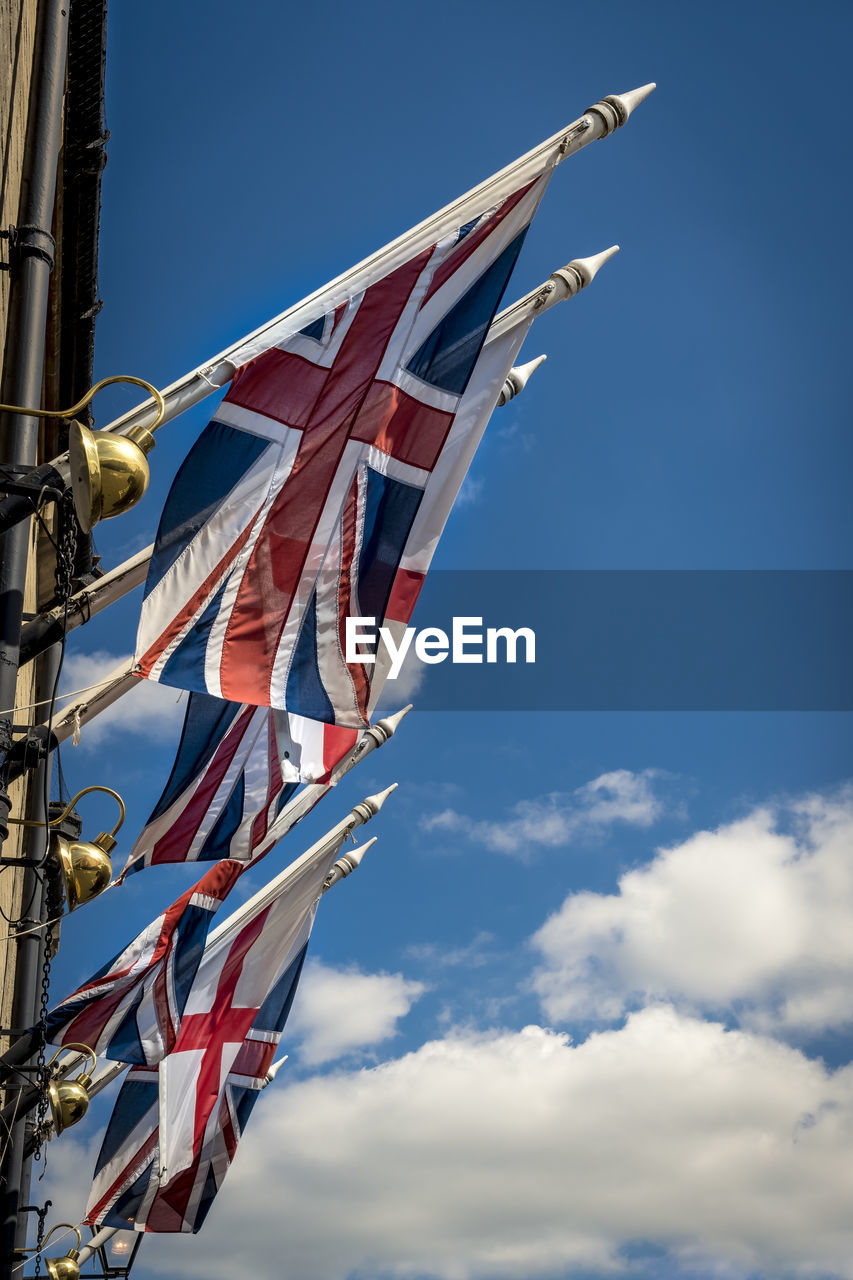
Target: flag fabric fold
(130, 1011)
(174, 1129)
(320, 487)
(236, 769)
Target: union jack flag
(321, 486)
(130, 1011)
(236, 769)
(174, 1129)
(126, 1191)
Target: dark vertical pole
(22, 384)
(31, 946)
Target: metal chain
(66, 547)
(43, 1077)
(42, 1214)
(66, 550)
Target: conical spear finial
(517, 379)
(614, 110)
(628, 102)
(588, 268)
(388, 725)
(569, 280)
(348, 862)
(273, 1071)
(370, 805)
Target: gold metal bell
(86, 866)
(66, 1267)
(69, 1099)
(109, 472)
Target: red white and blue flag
(174, 1129)
(130, 1011)
(321, 486)
(236, 769)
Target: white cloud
(748, 918)
(558, 818)
(396, 693)
(470, 492)
(339, 1010)
(519, 1154)
(474, 955)
(149, 710)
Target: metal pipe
(28, 963)
(22, 384)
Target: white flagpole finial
(631, 100)
(274, 1070)
(588, 268)
(370, 806)
(614, 110)
(576, 275)
(375, 803)
(517, 379)
(354, 855)
(390, 724)
(347, 863)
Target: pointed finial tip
(523, 371)
(390, 724)
(632, 99)
(588, 268)
(375, 803)
(364, 847)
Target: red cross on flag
(242, 963)
(321, 486)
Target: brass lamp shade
(86, 866)
(69, 1101)
(66, 1268)
(109, 472)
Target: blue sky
(680, 1100)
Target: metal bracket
(15, 481)
(28, 241)
(27, 752)
(41, 1210)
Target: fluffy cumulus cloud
(558, 818)
(337, 1011)
(507, 1154)
(518, 1154)
(752, 919)
(148, 710)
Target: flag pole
(99, 1239)
(46, 628)
(349, 861)
(562, 284)
(358, 815)
(598, 121)
(343, 867)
